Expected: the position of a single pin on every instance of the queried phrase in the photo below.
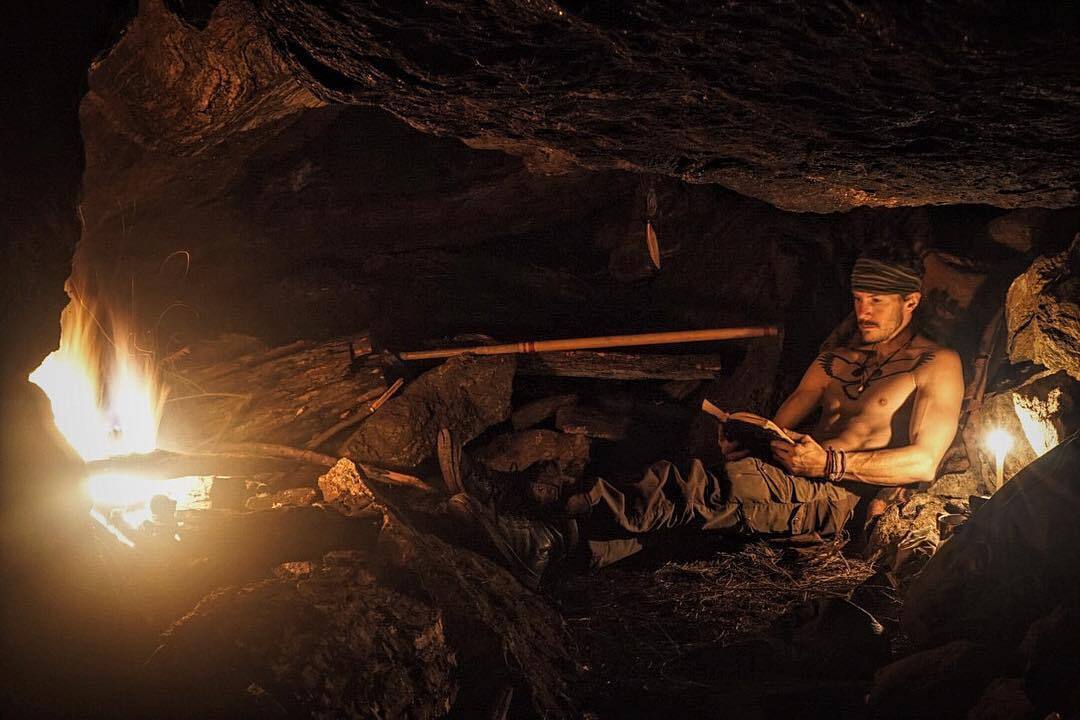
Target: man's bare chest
(856, 379)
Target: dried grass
(635, 624)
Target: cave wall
(224, 196)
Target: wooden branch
(270, 450)
(236, 458)
(359, 416)
(602, 341)
(371, 472)
(169, 464)
(620, 366)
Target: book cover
(753, 432)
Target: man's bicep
(806, 398)
(936, 413)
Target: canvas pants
(744, 497)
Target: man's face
(881, 317)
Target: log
(620, 366)
(287, 395)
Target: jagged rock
(324, 641)
(466, 394)
(1043, 312)
(185, 88)
(905, 536)
(501, 632)
(1010, 565)
(1036, 415)
(942, 682)
(343, 486)
(518, 451)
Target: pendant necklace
(861, 371)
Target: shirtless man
(888, 412)
(890, 405)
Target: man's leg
(750, 496)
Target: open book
(751, 431)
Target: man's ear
(912, 300)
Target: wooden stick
(358, 416)
(253, 449)
(602, 341)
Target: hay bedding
(643, 628)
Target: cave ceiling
(820, 108)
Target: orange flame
(105, 396)
(107, 400)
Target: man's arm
(806, 398)
(794, 410)
(938, 395)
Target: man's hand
(731, 450)
(805, 457)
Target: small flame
(107, 400)
(1000, 442)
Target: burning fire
(107, 400)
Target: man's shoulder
(933, 351)
(936, 364)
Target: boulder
(466, 394)
(343, 487)
(519, 451)
(1043, 312)
(538, 411)
(1011, 564)
(324, 639)
(1019, 229)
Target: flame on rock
(107, 400)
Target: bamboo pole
(602, 341)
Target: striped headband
(874, 276)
